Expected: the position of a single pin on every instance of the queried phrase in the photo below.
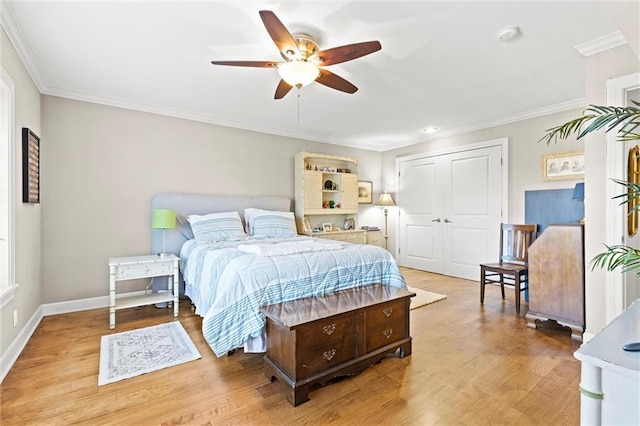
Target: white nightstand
(131, 268)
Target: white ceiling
(441, 63)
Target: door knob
(448, 221)
(436, 220)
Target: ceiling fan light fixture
(298, 73)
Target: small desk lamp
(163, 219)
(385, 201)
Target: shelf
(311, 194)
(140, 300)
(341, 211)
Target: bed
(229, 274)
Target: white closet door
(472, 203)
(418, 195)
(450, 211)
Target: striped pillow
(216, 227)
(267, 223)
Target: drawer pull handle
(328, 355)
(387, 312)
(329, 329)
(388, 332)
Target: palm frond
(596, 117)
(628, 258)
(632, 194)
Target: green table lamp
(163, 219)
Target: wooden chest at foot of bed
(313, 340)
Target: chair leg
(517, 287)
(502, 284)
(482, 283)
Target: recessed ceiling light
(508, 33)
(429, 130)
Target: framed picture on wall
(365, 192)
(563, 166)
(30, 166)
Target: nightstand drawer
(138, 270)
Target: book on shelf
(370, 228)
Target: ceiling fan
(304, 59)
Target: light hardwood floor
(471, 365)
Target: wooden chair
(513, 266)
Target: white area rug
(424, 297)
(135, 352)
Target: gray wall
(27, 216)
(102, 165)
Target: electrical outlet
(15, 317)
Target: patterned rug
(131, 353)
(424, 297)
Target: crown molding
(176, 113)
(539, 112)
(601, 44)
(188, 115)
(23, 49)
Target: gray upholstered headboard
(186, 204)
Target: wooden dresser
(357, 236)
(556, 278)
(312, 340)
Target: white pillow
(216, 227)
(268, 223)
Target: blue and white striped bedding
(228, 286)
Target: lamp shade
(578, 191)
(385, 200)
(163, 219)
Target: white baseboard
(75, 305)
(14, 350)
(83, 304)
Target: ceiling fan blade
(256, 64)
(334, 81)
(282, 89)
(279, 34)
(340, 54)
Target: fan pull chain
(298, 105)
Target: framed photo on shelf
(326, 227)
(562, 166)
(365, 192)
(30, 167)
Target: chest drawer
(385, 324)
(138, 270)
(325, 343)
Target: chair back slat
(515, 241)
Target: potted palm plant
(625, 121)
